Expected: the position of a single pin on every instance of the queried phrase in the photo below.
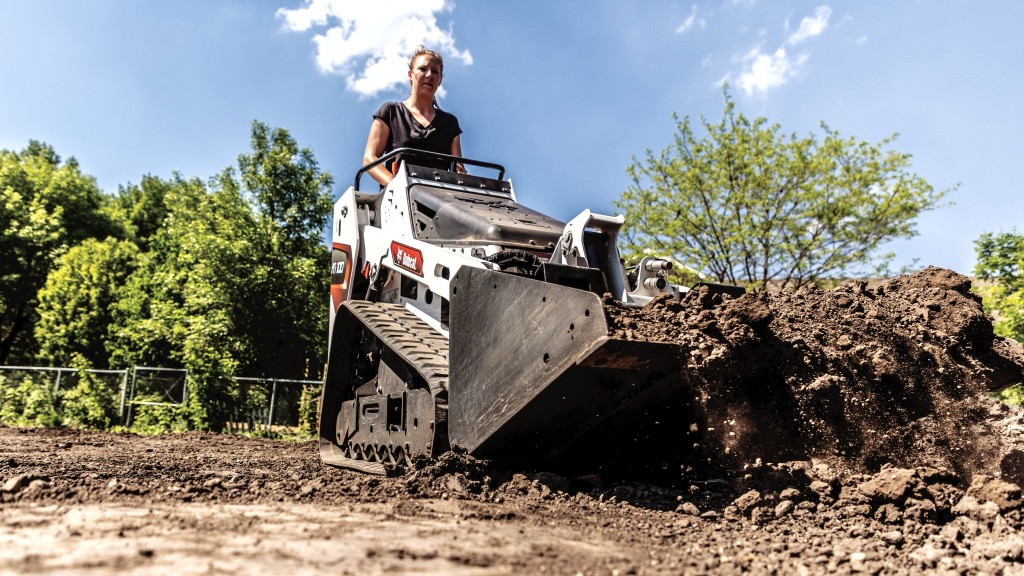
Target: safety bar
(452, 160)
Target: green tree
(288, 187)
(1000, 267)
(46, 207)
(75, 303)
(234, 281)
(150, 317)
(749, 205)
(176, 309)
(287, 255)
(142, 208)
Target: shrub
(90, 404)
(158, 418)
(28, 402)
(309, 406)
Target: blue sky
(563, 93)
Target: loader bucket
(536, 377)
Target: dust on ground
(845, 431)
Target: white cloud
(370, 43)
(767, 71)
(691, 21)
(811, 26)
(764, 71)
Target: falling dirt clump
(859, 377)
(454, 473)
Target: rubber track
(415, 342)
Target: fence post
(124, 392)
(273, 394)
(56, 385)
(131, 397)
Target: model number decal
(409, 258)
(340, 256)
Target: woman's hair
(421, 51)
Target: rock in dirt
(1005, 495)
(21, 482)
(893, 485)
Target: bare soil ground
(845, 431)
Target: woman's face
(425, 74)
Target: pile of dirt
(859, 377)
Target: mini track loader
(461, 318)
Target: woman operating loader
(417, 122)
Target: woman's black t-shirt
(406, 132)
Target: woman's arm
(375, 145)
(457, 151)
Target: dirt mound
(859, 377)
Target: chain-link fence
(155, 387)
(33, 395)
(274, 405)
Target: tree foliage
(748, 205)
(46, 207)
(234, 281)
(142, 208)
(75, 303)
(1000, 267)
(289, 190)
(286, 257)
(225, 278)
